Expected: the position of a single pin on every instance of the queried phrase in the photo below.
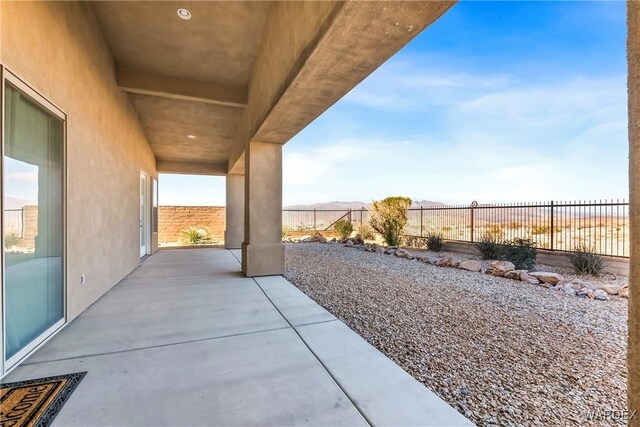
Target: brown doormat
(35, 402)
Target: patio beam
(191, 168)
(323, 50)
(633, 357)
(144, 83)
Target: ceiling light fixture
(192, 137)
(184, 13)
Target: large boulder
(546, 277)
(470, 265)
(526, 277)
(499, 268)
(358, 240)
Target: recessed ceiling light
(184, 13)
(192, 137)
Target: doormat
(35, 403)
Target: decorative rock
(513, 274)
(600, 295)
(610, 289)
(333, 240)
(358, 240)
(546, 277)
(349, 243)
(499, 268)
(624, 292)
(470, 265)
(568, 289)
(445, 261)
(380, 250)
(526, 277)
(403, 253)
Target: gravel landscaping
(502, 352)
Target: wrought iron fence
(601, 225)
(14, 222)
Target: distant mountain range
(354, 205)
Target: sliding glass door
(33, 222)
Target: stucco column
(633, 357)
(262, 249)
(234, 211)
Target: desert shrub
(343, 227)
(585, 261)
(435, 242)
(490, 246)
(10, 239)
(195, 236)
(540, 229)
(286, 231)
(389, 217)
(521, 252)
(413, 241)
(366, 232)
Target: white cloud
(497, 138)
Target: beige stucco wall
(633, 46)
(58, 49)
(173, 219)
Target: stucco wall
(173, 219)
(633, 49)
(58, 49)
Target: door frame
(7, 365)
(146, 214)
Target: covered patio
(185, 339)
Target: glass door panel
(33, 221)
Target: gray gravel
(502, 352)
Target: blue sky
(495, 102)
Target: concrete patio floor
(185, 339)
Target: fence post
(315, 227)
(420, 221)
(361, 222)
(473, 205)
(350, 220)
(552, 226)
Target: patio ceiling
(186, 77)
(237, 72)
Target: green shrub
(490, 246)
(196, 236)
(366, 232)
(343, 227)
(10, 239)
(585, 261)
(521, 252)
(389, 217)
(435, 242)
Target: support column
(234, 211)
(633, 356)
(262, 249)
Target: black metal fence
(14, 222)
(601, 225)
